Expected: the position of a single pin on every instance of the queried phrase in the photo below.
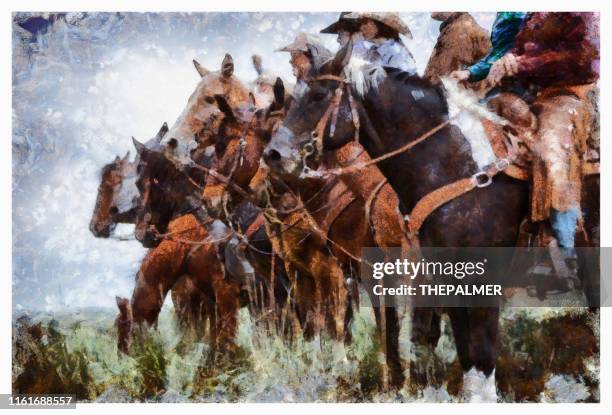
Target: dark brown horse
(396, 109)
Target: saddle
(518, 137)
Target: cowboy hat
(349, 20)
(305, 42)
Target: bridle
(330, 116)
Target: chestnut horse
(398, 108)
(117, 197)
(117, 202)
(350, 227)
(188, 264)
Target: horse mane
(366, 77)
(402, 79)
(407, 78)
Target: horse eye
(114, 210)
(209, 99)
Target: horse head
(166, 191)
(197, 124)
(242, 138)
(117, 197)
(303, 133)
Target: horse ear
(256, 59)
(162, 132)
(279, 92)
(252, 99)
(202, 71)
(227, 66)
(140, 148)
(339, 62)
(120, 301)
(127, 156)
(117, 159)
(224, 107)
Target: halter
(331, 113)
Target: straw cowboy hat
(305, 42)
(350, 21)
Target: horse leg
(159, 271)
(480, 328)
(227, 300)
(422, 350)
(305, 300)
(348, 321)
(396, 373)
(333, 293)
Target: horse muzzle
(101, 230)
(281, 155)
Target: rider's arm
(503, 33)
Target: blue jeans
(564, 226)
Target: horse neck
(401, 110)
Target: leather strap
(432, 201)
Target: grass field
(545, 355)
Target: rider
(307, 55)
(504, 30)
(376, 38)
(461, 42)
(555, 58)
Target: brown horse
(349, 226)
(198, 121)
(207, 291)
(237, 161)
(396, 108)
(116, 201)
(319, 289)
